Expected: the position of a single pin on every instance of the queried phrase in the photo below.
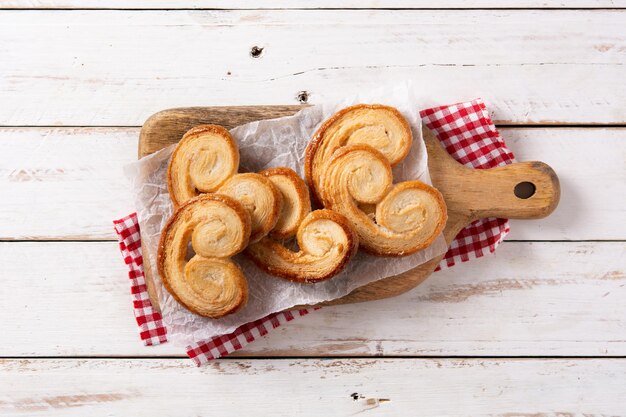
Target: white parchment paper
(264, 144)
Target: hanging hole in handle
(524, 190)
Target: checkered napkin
(466, 132)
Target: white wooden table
(539, 329)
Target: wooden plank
(64, 183)
(530, 299)
(308, 4)
(575, 155)
(309, 387)
(62, 186)
(116, 68)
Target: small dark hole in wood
(256, 51)
(355, 396)
(524, 190)
(303, 97)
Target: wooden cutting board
(470, 194)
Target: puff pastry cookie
(326, 240)
(260, 197)
(208, 284)
(379, 126)
(349, 163)
(296, 201)
(203, 160)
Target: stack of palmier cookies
(222, 212)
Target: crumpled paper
(264, 144)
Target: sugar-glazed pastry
(296, 201)
(260, 197)
(403, 218)
(326, 240)
(203, 160)
(208, 284)
(348, 166)
(377, 125)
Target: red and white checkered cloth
(466, 132)
(152, 331)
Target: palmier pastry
(296, 201)
(203, 160)
(209, 284)
(260, 197)
(379, 126)
(408, 216)
(326, 240)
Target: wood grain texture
(116, 68)
(469, 194)
(305, 4)
(64, 183)
(168, 126)
(57, 168)
(380, 387)
(529, 299)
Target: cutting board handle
(523, 190)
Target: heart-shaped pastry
(208, 284)
(326, 240)
(203, 160)
(348, 165)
